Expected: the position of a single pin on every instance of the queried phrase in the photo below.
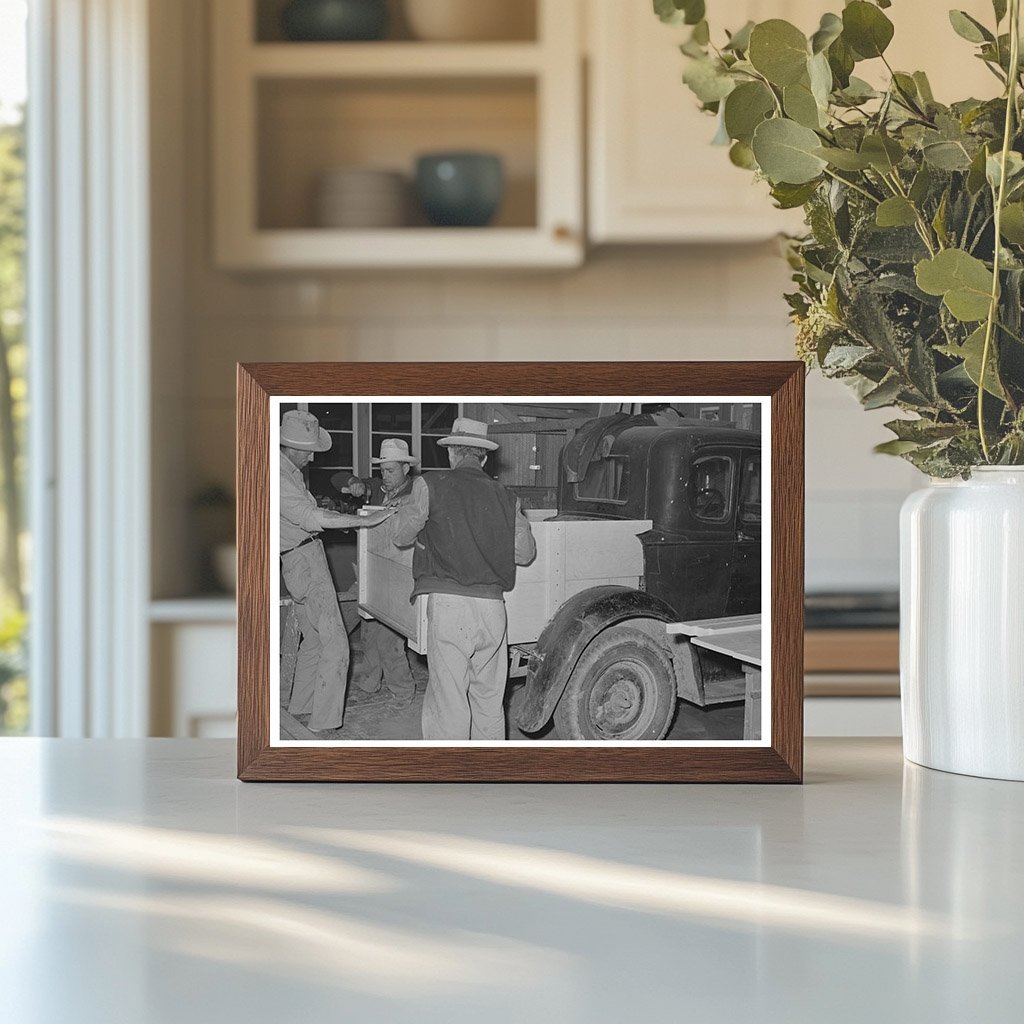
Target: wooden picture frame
(778, 757)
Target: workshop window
(437, 420)
(337, 420)
(391, 419)
(709, 488)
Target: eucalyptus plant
(910, 278)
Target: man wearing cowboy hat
(384, 656)
(321, 671)
(393, 483)
(470, 534)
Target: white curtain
(88, 318)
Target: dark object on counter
(329, 21)
(863, 610)
(460, 189)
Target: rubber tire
(651, 668)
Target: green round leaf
(800, 105)
(740, 39)
(882, 152)
(708, 81)
(674, 12)
(866, 29)
(747, 106)
(829, 30)
(1012, 223)
(785, 152)
(947, 156)
(895, 212)
(968, 28)
(961, 279)
(820, 76)
(779, 51)
(844, 159)
(743, 156)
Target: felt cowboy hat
(302, 430)
(471, 433)
(394, 449)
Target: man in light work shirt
(470, 534)
(321, 671)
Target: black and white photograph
(519, 571)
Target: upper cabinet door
(654, 175)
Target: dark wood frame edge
(258, 761)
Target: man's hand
(356, 488)
(376, 518)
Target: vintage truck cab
(700, 485)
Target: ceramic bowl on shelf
(333, 21)
(361, 198)
(469, 20)
(460, 189)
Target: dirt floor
(376, 716)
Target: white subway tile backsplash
(412, 296)
(646, 285)
(510, 297)
(408, 342)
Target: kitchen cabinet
(653, 175)
(287, 113)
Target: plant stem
(993, 308)
(855, 187)
(923, 229)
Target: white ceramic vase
(962, 624)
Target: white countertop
(143, 884)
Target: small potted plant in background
(214, 509)
(909, 288)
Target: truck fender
(567, 635)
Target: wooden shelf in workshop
(394, 60)
(307, 248)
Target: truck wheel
(622, 688)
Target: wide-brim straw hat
(471, 433)
(302, 430)
(394, 449)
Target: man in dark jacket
(470, 534)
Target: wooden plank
(705, 627)
(852, 650)
(743, 645)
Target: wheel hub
(618, 701)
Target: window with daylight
(14, 547)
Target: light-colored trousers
(321, 669)
(467, 655)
